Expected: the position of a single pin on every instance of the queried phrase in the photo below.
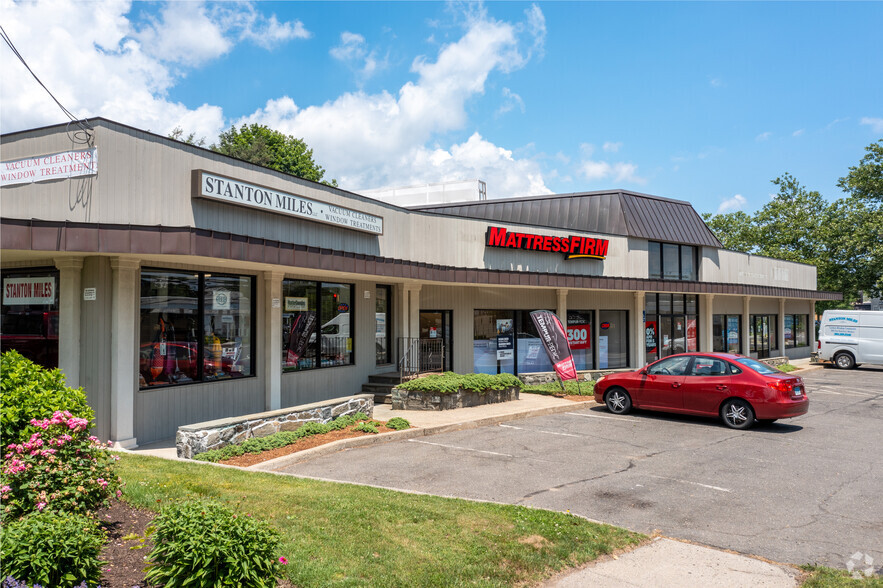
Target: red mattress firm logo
(572, 247)
(29, 290)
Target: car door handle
(721, 387)
(675, 384)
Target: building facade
(178, 285)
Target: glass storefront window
(30, 315)
(493, 342)
(612, 339)
(692, 303)
(673, 328)
(529, 350)
(664, 303)
(227, 326)
(580, 336)
(688, 263)
(677, 303)
(651, 337)
(734, 334)
(795, 330)
(670, 262)
(337, 326)
(654, 252)
(195, 326)
(726, 333)
(383, 324)
(299, 320)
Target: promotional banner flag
(555, 341)
(299, 336)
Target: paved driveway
(805, 490)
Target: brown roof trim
(37, 235)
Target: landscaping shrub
(449, 382)
(366, 427)
(398, 423)
(30, 391)
(202, 543)
(571, 387)
(59, 468)
(52, 549)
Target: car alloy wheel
(618, 401)
(844, 361)
(737, 414)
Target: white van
(850, 338)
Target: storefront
(177, 285)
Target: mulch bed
(249, 459)
(125, 567)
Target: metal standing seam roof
(616, 213)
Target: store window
(383, 324)
(195, 326)
(613, 341)
(299, 320)
(30, 315)
(795, 330)
(317, 325)
(671, 324)
(762, 334)
(580, 335)
(727, 333)
(493, 342)
(671, 261)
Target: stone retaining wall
(547, 377)
(199, 437)
(431, 400)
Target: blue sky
(705, 102)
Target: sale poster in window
(650, 336)
(579, 336)
(691, 334)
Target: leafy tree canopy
(263, 146)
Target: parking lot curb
(280, 463)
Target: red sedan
(738, 389)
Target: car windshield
(758, 366)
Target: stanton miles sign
(215, 187)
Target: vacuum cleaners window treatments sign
(215, 187)
(68, 164)
(572, 247)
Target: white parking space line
(861, 394)
(718, 488)
(598, 416)
(540, 431)
(460, 448)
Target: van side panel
(858, 332)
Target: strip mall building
(178, 285)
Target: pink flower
(282, 560)
(41, 506)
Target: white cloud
(511, 102)
(184, 33)
(377, 140)
(603, 170)
(876, 124)
(611, 147)
(737, 202)
(763, 136)
(353, 52)
(716, 82)
(798, 132)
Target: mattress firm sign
(68, 164)
(215, 187)
(572, 247)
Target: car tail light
(819, 345)
(790, 388)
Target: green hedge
(30, 391)
(450, 383)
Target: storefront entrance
(763, 332)
(436, 349)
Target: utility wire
(85, 127)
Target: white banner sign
(29, 290)
(242, 194)
(68, 164)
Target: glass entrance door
(436, 350)
(760, 341)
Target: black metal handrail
(420, 356)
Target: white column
(706, 342)
(69, 296)
(272, 300)
(780, 335)
(413, 292)
(639, 349)
(561, 311)
(124, 351)
(746, 315)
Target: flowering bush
(51, 549)
(30, 391)
(203, 543)
(59, 468)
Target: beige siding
(731, 267)
(95, 338)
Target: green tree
(735, 230)
(263, 146)
(178, 135)
(788, 226)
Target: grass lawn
(786, 367)
(823, 577)
(585, 388)
(347, 535)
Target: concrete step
(389, 378)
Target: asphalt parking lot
(803, 490)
